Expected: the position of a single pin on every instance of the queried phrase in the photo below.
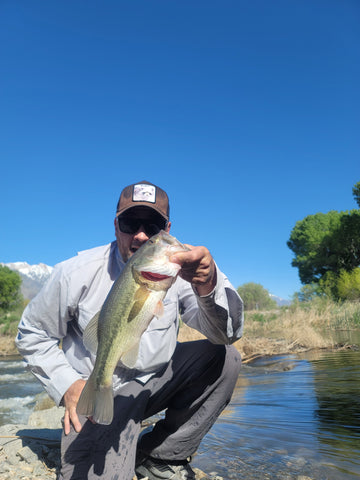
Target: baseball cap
(144, 194)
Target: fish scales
(114, 334)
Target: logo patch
(144, 193)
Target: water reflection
(290, 417)
(337, 385)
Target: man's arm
(42, 326)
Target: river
(17, 391)
(291, 417)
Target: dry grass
(291, 330)
(263, 340)
(7, 346)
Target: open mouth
(154, 277)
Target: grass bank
(8, 329)
(293, 329)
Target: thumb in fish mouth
(181, 256)
(185, 256)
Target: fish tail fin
(86, 403)
(104, 405)
(97, 402)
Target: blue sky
(246, 112)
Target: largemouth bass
(114, 333)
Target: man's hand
(197, 267)
(70, 400)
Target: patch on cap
(144, 193)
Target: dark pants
(194, 388)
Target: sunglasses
(132, 225)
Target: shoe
(156, 469)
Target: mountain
(33, 276)
(280, 301)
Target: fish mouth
(154, 277)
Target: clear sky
(246, 112)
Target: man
(192, 381)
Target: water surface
(289, 417)
(17, 390)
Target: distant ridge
(33, 276)
(280, 301)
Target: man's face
(135, 227)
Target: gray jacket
(75, 292)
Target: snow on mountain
(280, 301)
(37, 272)
(33, 276)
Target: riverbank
(251, 346)
(32, 451)
(294, 329)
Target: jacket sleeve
(219, 316)
(42, 326)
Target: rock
(50, 418)
(32, 451)
(43, 402)
(28, 455)
(29, 452)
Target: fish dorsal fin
(140, 297)
(129, 358)
(90, 337)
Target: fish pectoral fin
(90, 337)
(159, 309)
(140, 297)
(129, 358)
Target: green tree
(10, 295)
(356, 193)
(311, 240)
(326, 245)
(307, 293)
(348, 285)
(328, 285)
(346, 242)
(326, 242)
(256, 297)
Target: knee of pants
(232, 363)
(230, 359)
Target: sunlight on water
(290, 416)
